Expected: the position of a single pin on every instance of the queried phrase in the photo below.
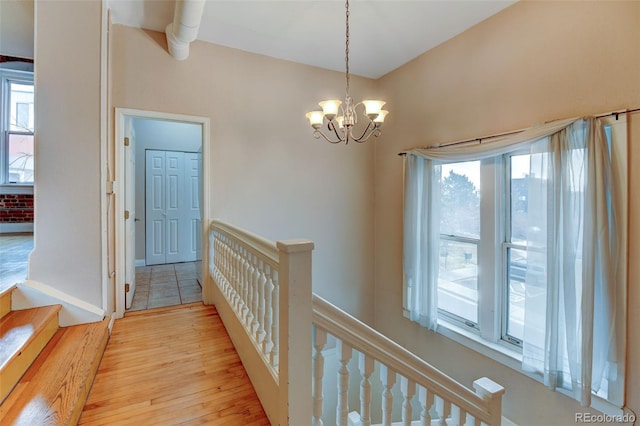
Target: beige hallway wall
(269, 175)
(68, 239)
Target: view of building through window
(20, 138)
(459, 238)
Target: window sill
(513, 360)
(495, 351)
(16, 189)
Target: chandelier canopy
(341, 127)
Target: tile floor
(166, 285)
(14, 257)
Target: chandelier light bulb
(315, 119)
(330, 108)
(380, 118)
(373, 107)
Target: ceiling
(384, 34)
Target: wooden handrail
(369, 341)
(264, 246)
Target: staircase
(45, 371)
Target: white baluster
(462, 417)
(267, 343)
(238, 297)
(344, 356)
(408, 389)
(262, 280)
(443, 408)
(319, 340)
(366, 364)
(426, 401)
(248, 298)
(275, 300)
(388, 378)
(231, 267)
(255, 301)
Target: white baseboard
(111, 322)
(14, 228)
(31, 294)
(140, 262)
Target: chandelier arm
(374, 132)
(367, 129)
(332, 126)
(317, 133)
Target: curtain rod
(479, 140)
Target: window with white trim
(490, 231)
(17, 128)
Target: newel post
(295, 319)
(491, 392)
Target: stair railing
(262, 291)
(440, 399)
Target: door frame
(121, 115)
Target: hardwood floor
(14, 256)
(172, 366)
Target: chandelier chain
(346, 50)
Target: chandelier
(341, 127)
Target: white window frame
(489, 337)
(6, 77)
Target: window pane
(20, 158)
(517, 267)
(458, 279)
(520, 171)
(21, 102)
(460, 199)
(527, 278)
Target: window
(502, 240)
(17, 128)
(459, 241)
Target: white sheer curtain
(571, 240)
(421, 240)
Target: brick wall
(16, 208)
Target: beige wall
(533, 62)
(68, 244)
(16, 28)
(269, 175)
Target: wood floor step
(5, 300)
(23, 335)
(54, 389)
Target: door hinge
(127, 287)
(126, 141)
(126, 214)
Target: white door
(130, 207)
(155, 216)
(173, 215)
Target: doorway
(145, 132)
